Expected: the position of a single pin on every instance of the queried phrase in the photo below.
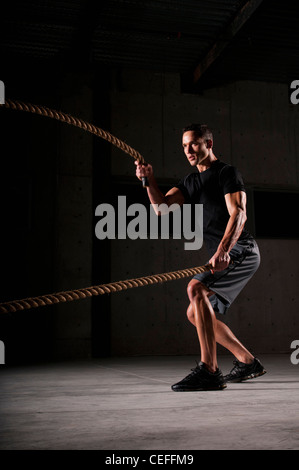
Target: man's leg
(246, 366)
(205, 321)
(226, 338)
(206, 376)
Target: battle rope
(68, 119)
(50, 299)
(68, 296)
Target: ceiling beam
(225, 38)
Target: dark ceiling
(207, 41)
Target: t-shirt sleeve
(231, 180)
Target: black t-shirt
(209, 188)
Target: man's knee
(197, 290)
(190, 314)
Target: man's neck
(204, 164)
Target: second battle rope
(67, 296)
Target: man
(234, 257)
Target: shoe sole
(199, 389)
(248, 377)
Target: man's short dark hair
(201, 130)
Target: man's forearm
(233, 230)
(154, 193)
(162, 203)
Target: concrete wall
(255, 128)
(48, 217)
(74, 218)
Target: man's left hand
(219, 261)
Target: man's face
(195, 148)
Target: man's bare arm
(156, 197)
(236, 206)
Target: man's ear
(209, 143)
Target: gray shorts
(227, 284)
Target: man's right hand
(144, 171)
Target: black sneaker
(200, 379)
(242, 371)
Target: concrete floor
(127, 404)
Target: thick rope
(68, 296)
(68, 119)
(50, 299)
